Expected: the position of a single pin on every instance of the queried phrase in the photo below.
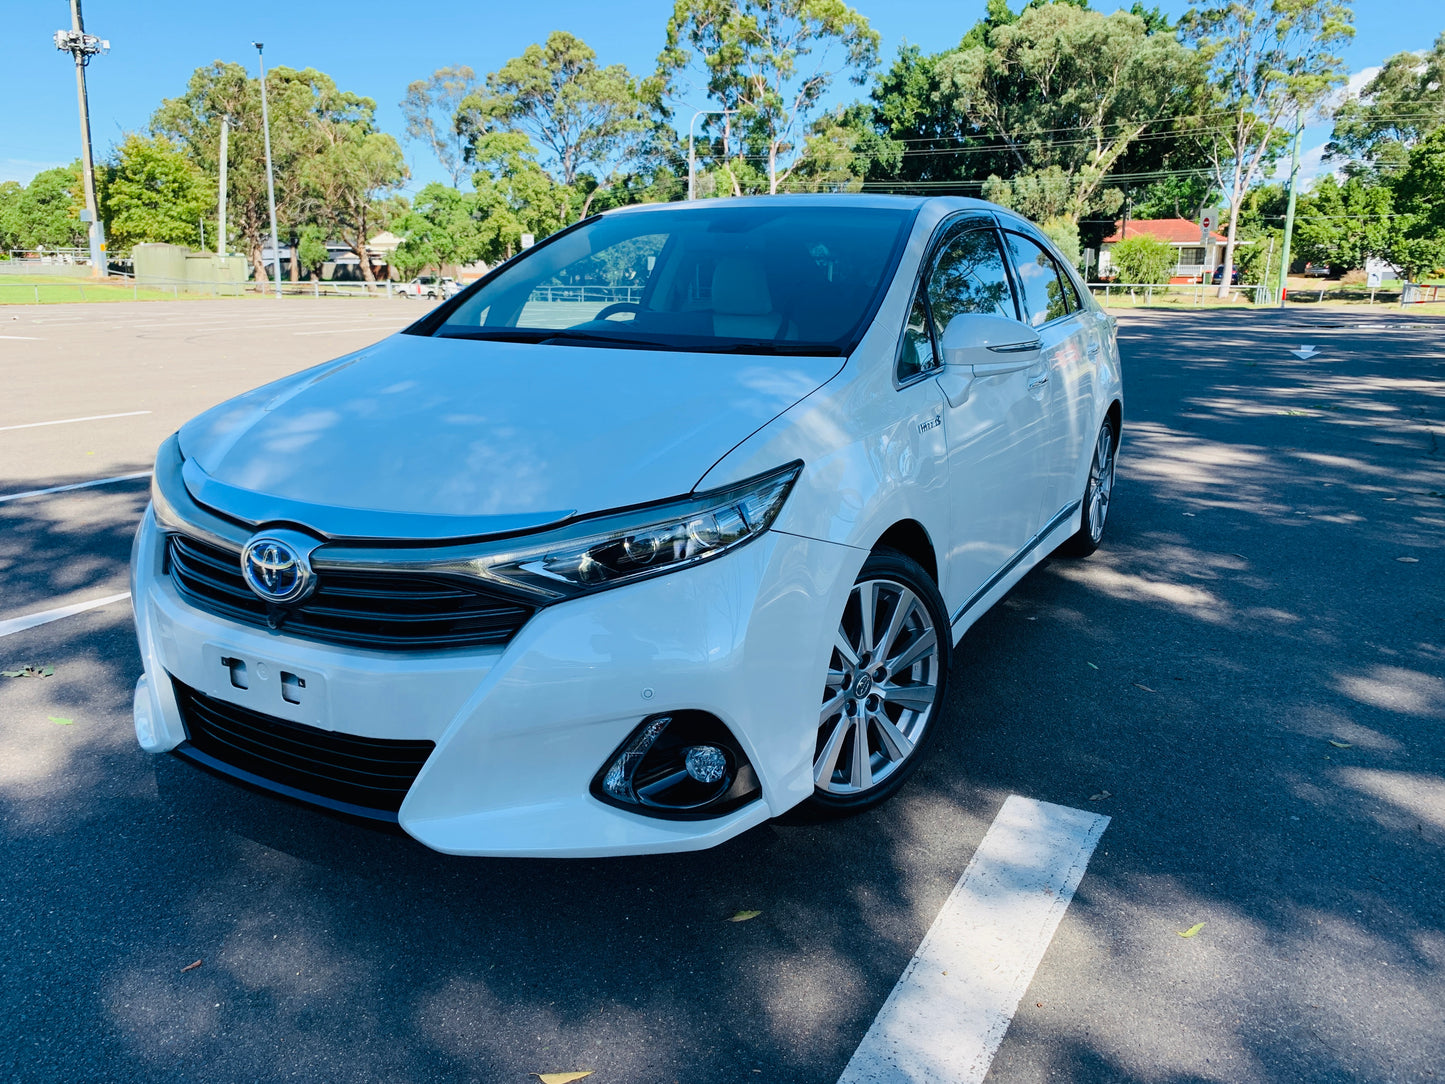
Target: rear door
(1062, 385)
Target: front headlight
(621, 548)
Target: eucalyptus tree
(430, 108)
(1396, 109)
(1063, 94)
(1270, 63)
(580, 115)
(768, 65)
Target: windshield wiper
(773, 346)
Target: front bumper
(521, 730)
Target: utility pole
(1299, 127)
(83, 46)
(270, 182)
(225, 131)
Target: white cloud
(1312, 166)
(22, 169)
(1351, 89)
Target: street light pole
(83, 46)
(221, 239)
(270, 182)
(691, 162)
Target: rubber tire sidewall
(1081, 543)
(892, 565)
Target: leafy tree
(430, 108)
(443, 227)
(1179, 196)
(1416, 240)
(1143, 259)
(1396, 109)
(352, 169)
(1343, 225)
(515, 195)
(1270, 61)
(193, 120)
(151, 191)
(580, 115)
(47, 212)
(11, 193)
(311, 250)
(1064, 233)
(768, 63)
(1067, 92)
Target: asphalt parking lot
(1248, 679)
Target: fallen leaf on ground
(562, 1078)
(1341, 744)
(191, 967)
(1146, 688)
(29, 671)
(1100, 796)
(1192, 930)
(59, 721)
(743, 916)
(11, 673)
(1095, 667)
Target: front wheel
(885, 684)
(1098, 491)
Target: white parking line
(68, 421)
(944, 1021)
(31, 338)
(74, 485)
(44, 617)
(338, 330)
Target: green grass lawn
(47, 290)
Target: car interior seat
(742, 303)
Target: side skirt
(1015, 568)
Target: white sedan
(662, 528)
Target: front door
(993, 425)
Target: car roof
(819, 199)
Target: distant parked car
(424, 286)
(1316, 271)
(1219, 276)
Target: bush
(1065, 235)
(1143, 259)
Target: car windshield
(740, 278)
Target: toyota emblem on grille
(277, 567)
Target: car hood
(434, 438)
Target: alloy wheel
(881, 688)
(1101, 483)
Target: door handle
(1038, 382)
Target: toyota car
(661, 529)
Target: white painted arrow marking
(1304, 352)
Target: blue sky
(377, 48)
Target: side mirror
(989, 344)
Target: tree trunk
(258, 263)
(1226, 276)
(772, 169)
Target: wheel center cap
(863, 686)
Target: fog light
(706, 763)
(683, 764)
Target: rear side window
(1040, 282)
(968, 276)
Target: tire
(1098, 494)
(886, 681)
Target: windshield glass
(749, 278)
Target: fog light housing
(680, 765)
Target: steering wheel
(616, 307)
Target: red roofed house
(1194, 259)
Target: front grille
(366, 777)
(387, 611)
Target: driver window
(968, 276)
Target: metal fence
(1199, 293)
